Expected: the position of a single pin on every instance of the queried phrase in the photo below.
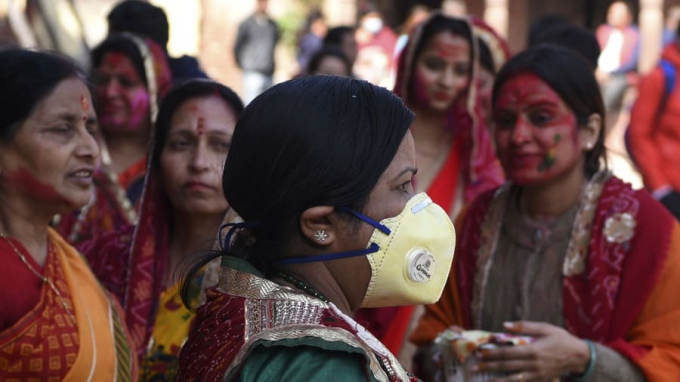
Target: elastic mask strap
(382, 228)
(233, 227)
(330, 256)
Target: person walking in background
(654, 142)
(142, 18)
(672, 23)
(254, 51)
(376, 43)
(311, 38)
(617, 64)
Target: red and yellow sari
(46, 345)
(619, 275)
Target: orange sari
(46, 345)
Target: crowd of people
(156, 227)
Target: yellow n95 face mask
(410, 255)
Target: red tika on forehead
(200, 125)
(114, 58)
(84, 103)
(451, 49)
(525, 87)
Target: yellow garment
(104, 353)
(170, 331)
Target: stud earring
(320, 236)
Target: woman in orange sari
(181, 210)
(56, 321)
(130, 74)
(564, 252)
(445, 79)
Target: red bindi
(200, 125)
(84, 103)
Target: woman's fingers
(525, 376)
(505, 365)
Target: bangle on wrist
(591, 363)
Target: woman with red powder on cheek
(564, 252)
(56, 320)
(456, 160)
(130, 74)
(181, 211)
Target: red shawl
(618, 295)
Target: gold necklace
(41, 277)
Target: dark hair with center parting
(570, 75)
(120, 44)
(313, 141)
(26, 78)
(329, 51)
(180, 93)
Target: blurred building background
(207, 28)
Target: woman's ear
(316, 225)
(591, 132)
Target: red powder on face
(84, 103)
(25, 181)
(450, 46)
(200, 125)
(546, 149)
(114, 58)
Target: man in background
(254, 51)
(617, 65)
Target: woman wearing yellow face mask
(320, 170)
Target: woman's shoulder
(274, 361)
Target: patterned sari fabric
(619, 272)
(132, 262)
(247, 311)
(471, 159)
(116, 197)
(46, 345)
